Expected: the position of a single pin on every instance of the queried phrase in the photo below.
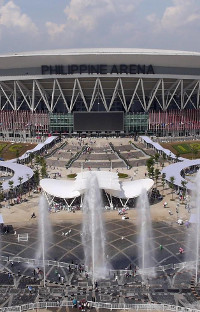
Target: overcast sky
(51, 24)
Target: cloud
(183, 12)
(179, 16)
(14, 20)
(91, 16)
(54, 29)
(171, 24)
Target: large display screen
(98, 121)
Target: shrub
(13, 148)
(122, 175)
(72, 176)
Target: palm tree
(31, 156)
(183, 184)
(162, 165)
(151, 172)
(164, 156)
(150, 167)
(156, 175)
(1, 192)
(20, 179)
(169, 157)
(37, 160)
(194, 151)
(11, 182)
(36, 176)
(17, 154)
(163, 181)
(156, 157)
(171, 184)
(44, 171)
(28, 179)
(150, 162)
(177, 157)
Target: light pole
(177, 210)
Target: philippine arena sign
(131, 69)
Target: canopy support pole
(81, 205)
(126, 201)
(109, 199)
(66, 204)
(121, 202)
(72, 202)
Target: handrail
(180, 265)
(120, 156)
(55, 150)
(102, 305)
(75, 157)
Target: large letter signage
(132, 69)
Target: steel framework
(107, 92)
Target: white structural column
(26, 96)
(122, 96)
(62, 94)
(134, 94)
(198, 95)
(182, 97)
(98, 94)
(43, 95)
(173, 94)
(163, 94)
(196, 87)
(82, 94)
(143, 96)
(7, 94)
(33, 96)
(154, 91)
(77, 91)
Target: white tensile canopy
(131, 189)
(108, 181)
(59, 188)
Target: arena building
(100, 91)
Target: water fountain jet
(145, 237)
(194, 236)
(44, 231)
(93, 237)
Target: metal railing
(37, 262)
(181, 265)
(24, 140)
(55, 150)
(97, 305)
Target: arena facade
(100, 91)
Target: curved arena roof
(57, 80)
(101, 55)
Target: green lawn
(10, 150)
(186, 148)
(2, 146)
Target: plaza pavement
(21, 213)
(121, 235)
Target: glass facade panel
(136, 123)
(61, 123)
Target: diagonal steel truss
(18, 94)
